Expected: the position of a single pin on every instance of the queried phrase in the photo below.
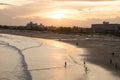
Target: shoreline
(100, 53)
(100, 47)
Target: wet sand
(100, 52)
(100, 47)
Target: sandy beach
(99, 47)
(100, 51)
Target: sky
(80, 13)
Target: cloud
(6, 4)
(15, 2)
(79, 12)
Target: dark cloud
(6, 4)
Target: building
(34, 26)
(31, 25)
(41, 27)
(105, 27)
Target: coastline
(100, 47)
(100, 53)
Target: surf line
(24, 64)
(32, 47)
(45, 68)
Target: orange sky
(59, 12)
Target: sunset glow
(58, 16)
(69, 12)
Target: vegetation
(63, 30)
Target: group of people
(86, 69)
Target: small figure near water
(76, 43)
(86, 69)
(59, 39)
(84, 63)
(116, 66)
(111, 61)
(113, 54)
(65, 64)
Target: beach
(98, 52)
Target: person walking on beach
(116, 66)
(86, 69)
(84, 63)
(77, 43)
(110, 61)
(113, 54)
(65, 64)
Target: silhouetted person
(84, 63)
(111, 61)
(59, 39)
(116, 66)
(77, 43)
(65, 64)
(86, 69)
(113, 54)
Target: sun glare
(58, 16)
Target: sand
(99, 47)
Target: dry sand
(100, 47)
